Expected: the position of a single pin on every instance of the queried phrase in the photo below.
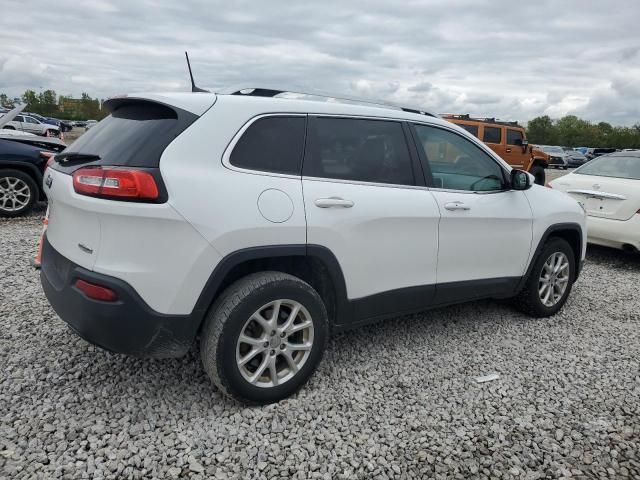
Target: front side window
(359, 150)
(31, 120)
(492, 135)
(271, 144)
(458, 164)
(514, 137)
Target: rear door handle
(456, 206)
(333, 202)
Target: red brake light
(116, 183)
(96, 292)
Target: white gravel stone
(393, 400)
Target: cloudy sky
(513, 60)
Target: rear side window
(271, 144)
(514, 137)
(492, 135)
(359, 150)
(472, 129)
(135, 134)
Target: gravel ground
(394, 400)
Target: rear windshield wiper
(76, 156)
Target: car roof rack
(466, 116)
(264, 91)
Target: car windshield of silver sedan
(618, 167)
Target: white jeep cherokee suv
(260, 224)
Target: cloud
(490, 58)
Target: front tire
(264, 337)
(549, 283)
(18, 193)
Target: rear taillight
(96, 292)
(115, 183)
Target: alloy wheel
(554, 279)
(15, 194)
(274, 343)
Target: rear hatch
(129, 142)
(614, 198)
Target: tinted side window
(492, 135)
(18, 118)
(271, 144)
(514, 137)
(458, 164)
(358, 149)
(472, 129)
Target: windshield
(616, 166)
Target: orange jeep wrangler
(508, 140)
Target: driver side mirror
(520, 180)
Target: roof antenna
(193, 84)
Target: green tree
(48, 103)
(541, 131)
(30, 97)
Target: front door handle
(333, 202)
(508, 150)
(456, 206)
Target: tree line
(49, 104)
(571, 131)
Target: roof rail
(466, 116)
(264, 91)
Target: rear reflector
(115, 183)
(96, 292)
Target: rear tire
(531, 299)
(538, 172)
(264, 337)
(18, 193)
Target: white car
(29, 124)
(609, 188)
(262, 224)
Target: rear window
(271, 144)
(612, 166)
(135, 134)
(492, 135)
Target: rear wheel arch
(313, 264)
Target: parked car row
(16, 119)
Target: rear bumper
(614, 233)
(127, 325)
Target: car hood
(11, 114)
